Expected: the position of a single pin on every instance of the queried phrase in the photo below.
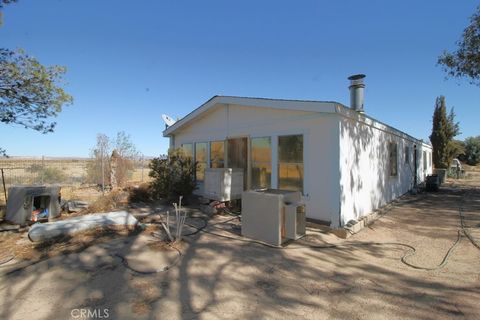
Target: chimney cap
(356, 77)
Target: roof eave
(301, 105)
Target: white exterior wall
(365, 180)
(346, 156)
(321, 147)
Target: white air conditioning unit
(273, 216)
(295, 221)
(223, 184)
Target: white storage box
(273, 216)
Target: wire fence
(70, 173)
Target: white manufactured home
(345, 163)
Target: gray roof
(287, 104)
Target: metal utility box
(223, 184)
(25, 201)
(273, 216)
(432, 182)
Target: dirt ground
(216, 277)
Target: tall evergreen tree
(453, 130)
(444, 129)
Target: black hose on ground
(164, 269)
(462, 223)
(198, 229)
(343, 246)
(6, 259)
(330, 246)
(232, 213)
(403, 259)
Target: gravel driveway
(220, 278)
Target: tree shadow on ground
(251, 281)
(218, 277)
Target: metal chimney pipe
(356, 92)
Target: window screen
(261, 165)
(217, 154)
(201, 159)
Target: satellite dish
(168, 120)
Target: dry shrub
(109, 202)
(141, 193)
(16, 243)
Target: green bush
(472, 150)
(173, 176)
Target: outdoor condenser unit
(273, 216)
(223, 184)
(295, 220)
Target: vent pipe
(356, 92)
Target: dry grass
(139, 177)
(147, 294)
(111, 201)
(22, 248)
(468, 168)
(72, 175)
(28, 171)
(83, 193)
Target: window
(261, 165)
(201, 158)
(407, 154)
(188, 149)
(237, 156)
(393, 161)
(424, 160)
(217, 154)
(290, 162)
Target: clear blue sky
(130, 61)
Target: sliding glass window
(217, 154)
(261, 164)
(290, 162)
(201, 159)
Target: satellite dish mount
(168, 120)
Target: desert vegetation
(71, 173)
(172, 176)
